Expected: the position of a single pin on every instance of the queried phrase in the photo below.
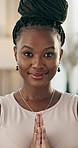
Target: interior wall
(10, 80)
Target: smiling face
(38, 54)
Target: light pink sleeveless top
(17, 124)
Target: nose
(37, 63)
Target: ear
(61, 54)
(15, 52)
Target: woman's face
(38, 54)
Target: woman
(37, 115)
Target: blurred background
(10, 80)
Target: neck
(36, 93)
(37, 105)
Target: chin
(39, 84)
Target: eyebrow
(25, 46)
(52, 47)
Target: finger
(39, 137)
(38, 126)
(33, 143)
(44, 136)
(45, 142)
(40, 119)
(36, 123)
(35, 136)
(36, 141)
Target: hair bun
(52, 9)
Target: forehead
(38, 37)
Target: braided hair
(47, 13)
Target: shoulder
(72, 101)
(70, 97)
(69, 100)
(5, 102)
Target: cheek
(23, 67)
(53, 71)
(53, 66)
(23, 64)
(54, 62)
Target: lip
(38, 76)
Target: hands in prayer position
(39, 139)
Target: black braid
(34, 21)
(51, 9)
(60, 31)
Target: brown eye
(28, 54)
(49, 54)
